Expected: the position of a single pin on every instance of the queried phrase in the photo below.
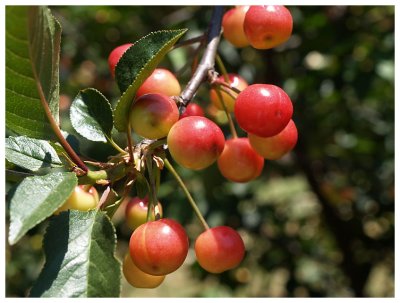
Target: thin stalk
(190, 41)
(187, 193)
(228, 115)
(222, 68)
(153, 190)
(115, 145)
(130, 143)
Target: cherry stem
(228, 86)
(115, 145)
(130, 143)
(221, 66)
(187, 193)
(228, 115)
(153, 190)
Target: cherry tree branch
(207, 62)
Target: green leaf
(33, 38)
(35, 199)
(80, 262)
(142, 185)
(31, 154)
(91, 115)
(137, 64)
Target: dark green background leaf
(33, 38)
(137, 63)
(35, 199)
(80, 262)
(31, 154)
(91, 115)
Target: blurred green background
(317, 223)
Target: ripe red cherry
(263, 109)
(195, 142)
(232, 23)
(267, 26)
(235, 81)
(193, 110)
(159, 247)
(239, 162)
(136, 212)
(161, 81)
(273, 148)
(115, 55)
(219, 249)
(138, 278)
(152, 115)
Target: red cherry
(136, 212)
(232, 23)
(263, 109)
(161, 81)
(239, 162)
(273, 148)
(267, 26)
(159, 247)
(193, 110)
(152, 115)
(235, 81)
(115, 55)
(195, 142)
(219, 249)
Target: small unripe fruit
(239, 162)
(161, 81)
(263, 110)
(232, 23)
(138, 278)
(235, 81)
(274, 148)
(115, 55)
(195, 142)
(136, 212)
(80, 200)
(159, 247)
(219, 249)
(153, 115)
(267, 26)
(193, 110)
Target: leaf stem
(190, 41)
(130, 143)
(115, 145)
(187, 193)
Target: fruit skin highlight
(219, 249)
(195, 142)
(138, 278)
(263, 109)
(136, 212)
(267, 26)
(239, 162)
(235, 81)
(152, 115)
(159, 247)
(275, 147)
(161, 81)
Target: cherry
(267, 26)
(115, 55)
(235, 81)
(219, 249)
(136, 212)
(80, 199)
(159, 247)
(161, 81)
(239, 162)
(263, 109)
(193, 110)
(152, 115)
(138, 278)
(273, 148)
(232, 23)
(195, 142)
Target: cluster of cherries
(159, 246)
